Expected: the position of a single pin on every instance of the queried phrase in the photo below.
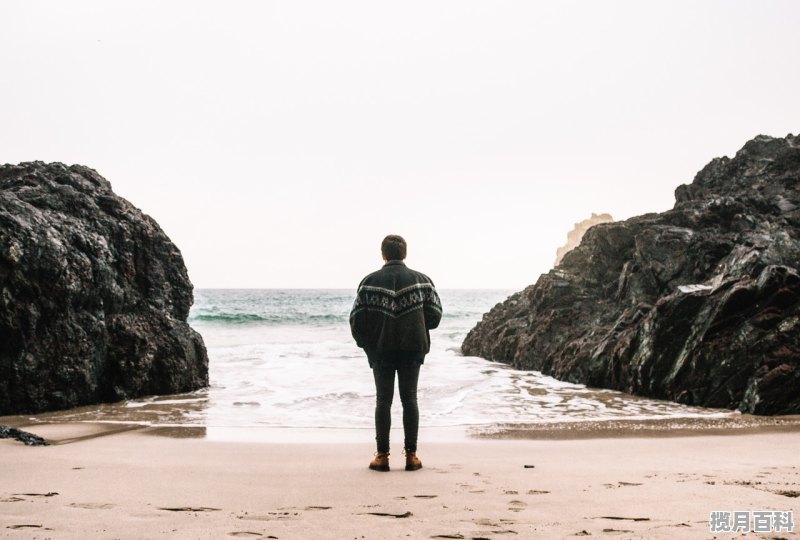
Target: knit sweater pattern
(394, 310)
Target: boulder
(94, 296)
(28, 439)
(699, 304)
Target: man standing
(395, 308)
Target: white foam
(314, 376)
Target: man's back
(395, 308)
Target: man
(395, 308)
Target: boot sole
(379, 468)
(413, 467)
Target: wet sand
(738, 424)
(112, 481)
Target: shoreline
(95, 482)
(74, 431)
(661, 427)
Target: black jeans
(407, 376)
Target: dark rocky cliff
(575, 236)
(93, 295)
(699, 304)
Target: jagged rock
(699, 304)
(29, 439)
(576, 234)
(93, 295)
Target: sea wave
(292, 318)
(271, 319)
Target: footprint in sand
(620, 518)
(93, 506)
(318, 507)
(517, 506)
(389, 514)
(262, 517)
(28, 527)
(425, 496)
(282, 516)
(537, 492)
(190, 509)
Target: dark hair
(393, 248)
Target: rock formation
(576, 234)
(28, 439)
(699, 304)
(93, 295)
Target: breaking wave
(271, 319)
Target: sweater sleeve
(358, 318)
(432, 309)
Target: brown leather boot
(380, 462)
(412, 461)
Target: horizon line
(348, 288)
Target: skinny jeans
(407, 370)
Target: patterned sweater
(395, 308)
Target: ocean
(284, 358)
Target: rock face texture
(93, 295)
(576, 234)
(28, 439)
(699, 304)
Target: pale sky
(277, 143)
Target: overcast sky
(278, 142)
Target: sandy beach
(554, 247)
(110, 481)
